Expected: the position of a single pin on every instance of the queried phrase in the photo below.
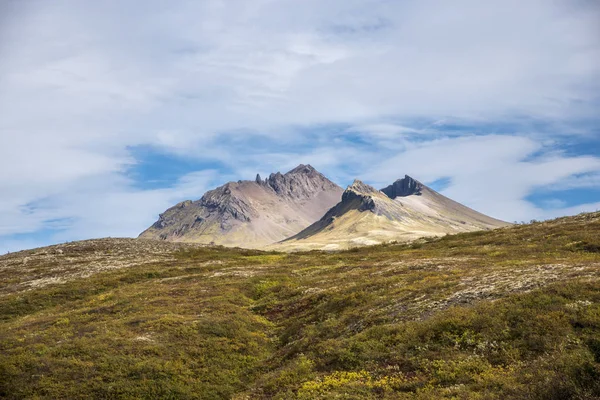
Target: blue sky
(112, 111)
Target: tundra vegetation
(512, 313)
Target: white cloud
(384, 131)
(103, 206)
(489, 173)
(82, 82)
(215, 65)
(559, 212)
(581, 181)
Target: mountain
(404, 210)
(250, 214)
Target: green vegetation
(507, 314)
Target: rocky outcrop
(403, 187)
(360, 195)
(301, 182)
(221, 201)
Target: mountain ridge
(250, 213)
(302, 209)
(405, 210)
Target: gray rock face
(403, 187)
(360, 192)
(250, 213)
(221, 201)
(301, 182)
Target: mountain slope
(250, 214)
(403, 211)
(504, 314)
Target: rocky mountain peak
(360, 187)
(360, 192)
(369, 216)
(302, 169)
(406, 186)
(252, 212)
(301, 182)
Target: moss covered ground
(512, 313)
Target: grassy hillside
(507, 314)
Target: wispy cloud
(353, 87)
(492, 173)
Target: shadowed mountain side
(250, 214)
(403, 211)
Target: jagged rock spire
(302, 169)
(361, 187)
(406, 186)
(258, 180)
(300, 182)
